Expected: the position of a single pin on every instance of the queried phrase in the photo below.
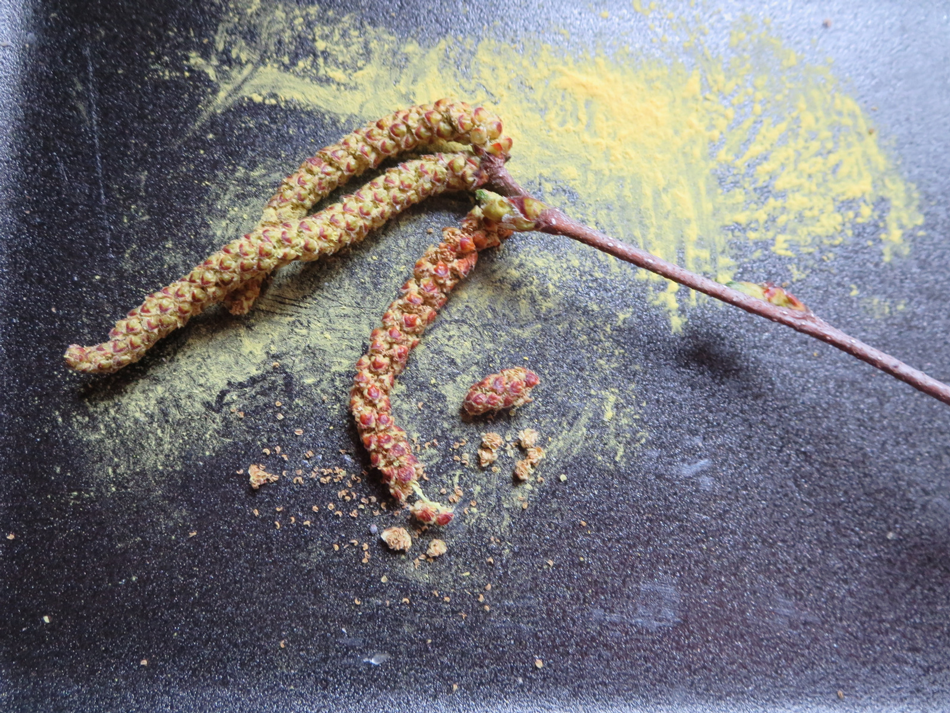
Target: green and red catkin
(235, 273)
(367, 147)
(510, 388)
(434, 277)
(246, 262)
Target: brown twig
(555, 222)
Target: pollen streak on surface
(696, 154)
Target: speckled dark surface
(782, 535)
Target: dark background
(812, 559)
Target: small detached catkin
(510, 388)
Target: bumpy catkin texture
(509, 388)
(240, 300)
(434, 277)
(250, 259)
(230, 276)
(366, 148)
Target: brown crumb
(298, 431)
(143, 662)
(493, 440)
(841, 695)
(396, 538)
(11, 536)
(826, 24)
(523, 471)
(528, 438)
(259, 476)
(488, 450)
(283, 643)
(538, 663)
(437, 548)
(533, 455)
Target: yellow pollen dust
(691, 155)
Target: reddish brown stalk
(555, 222)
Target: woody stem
(555, 222)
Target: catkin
(236, 273)
(367, 147)
(251, 258)
(434, 277)
(509, 388)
